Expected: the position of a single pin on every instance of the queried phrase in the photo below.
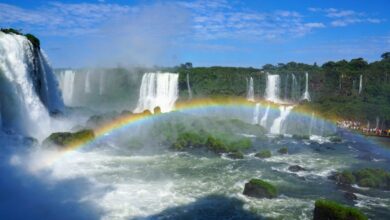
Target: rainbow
(127, 120)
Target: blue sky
(221, 32)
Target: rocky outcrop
(260, 189)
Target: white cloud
(343, 18)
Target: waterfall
(294, 88)
(250, 96)
(28, 87)
(278, 123)
(377, 122)
(101, 83)
(67, 86)
(189, 87)
(306, 95)
(272, 88)
(256, 114)
(87, 84)
(312, 122)
(263, 121)
(158, 90)
(286, 87)
(360, 83)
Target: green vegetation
(67, 139)
(334, 86)
(367, 177)
(263, 154)
(326, 209)
(34, 40)
(283, 150)
(260, 189)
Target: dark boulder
(260, 189)
(296, 168)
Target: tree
(385, 56)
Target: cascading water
(263, 121)
(272, 89)
(294, 88)
(87, 87)
(101, 83)
(256, 114)
(278, 123)
(67, 78)
(306, 94)
(360, 83)
(158, 90)
(189, 87)
(250, 96)
(28, 87)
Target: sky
(107, 33)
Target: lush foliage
(367, 177)
(326, 209)
(334, 86)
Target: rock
(157, 110)
(235, 155)
(345, 178)
(301, 137)
(335, 139)
(263, 154)
(350, 196)
(283, 150)
(68, 139)
(326, 209)
(296, 168)
(259, 189)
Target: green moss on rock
(326, 209)
(260, 189)
(263, 154)
(67, 139)
(283, 150)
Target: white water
(24, 103)
(189, 87)
(272, 89)
(87, 87)
(250, 96)
(306, 94)
(294, 88)
(67, 86)
(360, 83)
(256, 114)
(278, 123)
(158, 89)
(101, 83)
(263, 121)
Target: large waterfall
(158, 90)
(263, 121)
(250, 96)
(272, 89)
(87, 83)
(278, 123)
(306, 95)
(28, 87)
(67, 82)
(189, 87)
(360, 83)
(101, 83)
(256, 114)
